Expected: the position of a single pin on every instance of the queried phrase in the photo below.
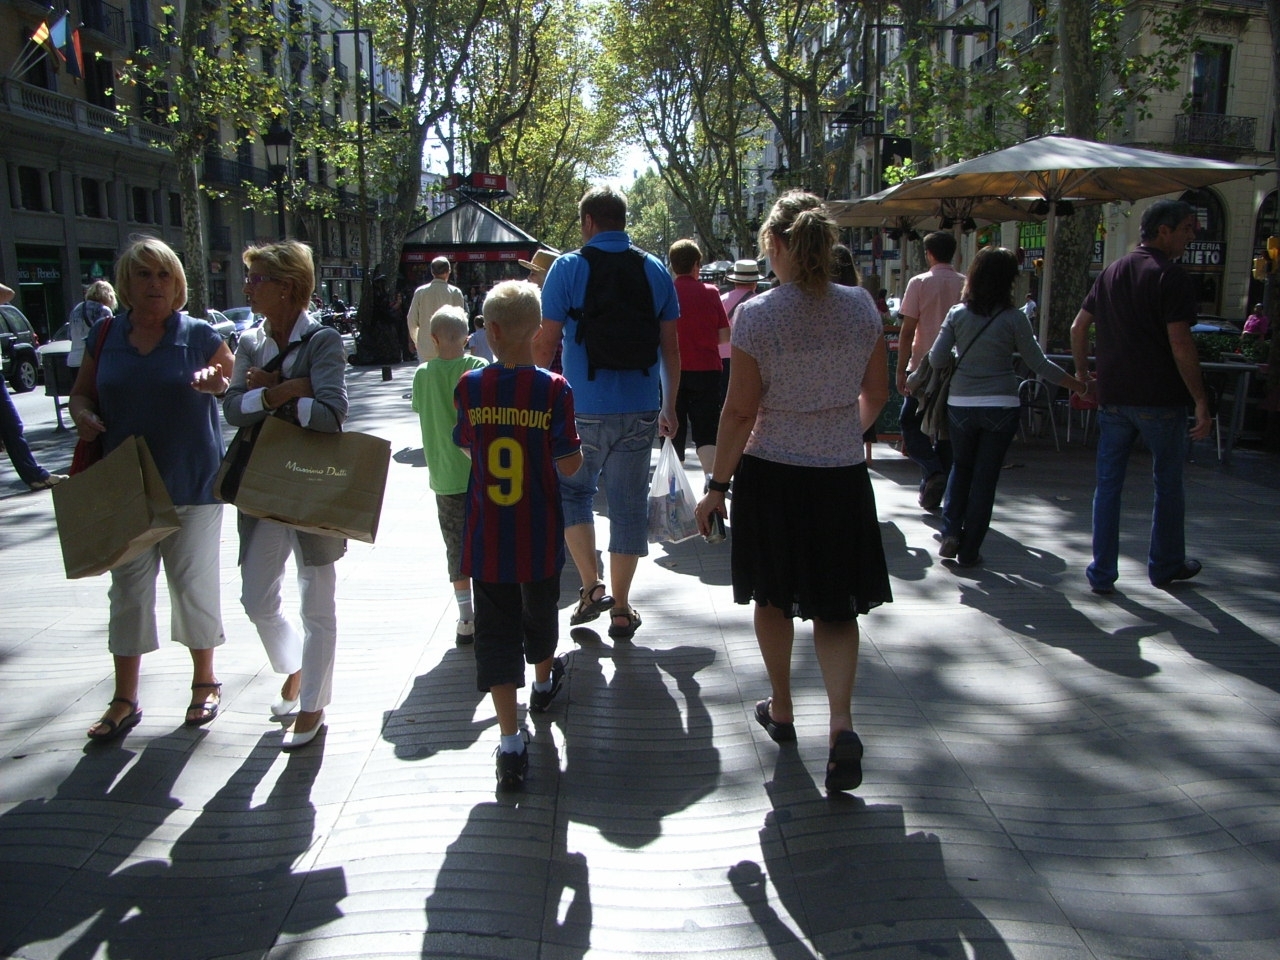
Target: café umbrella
(1057, 169)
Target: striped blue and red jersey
(517, 421)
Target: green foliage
(1140, 50)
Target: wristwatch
(719, 486)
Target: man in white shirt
(1029, 309)
(928, 297)
(427, 299)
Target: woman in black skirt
(808, 369)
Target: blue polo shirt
(150, 395)
(612, 391)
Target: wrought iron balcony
(220, 238)
(1024, 38)
(986, 61)
(103, 18)
(1216, 130)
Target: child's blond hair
(515, 306)
(449, 324)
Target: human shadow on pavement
(57, 854)
(635, 754)
(230, 887)
(851, 880)
(503, 878)
(905, 562)
(1227, 643)
(438, 712)
(1045, 614)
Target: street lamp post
(279, 141)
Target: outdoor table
(1242, 372)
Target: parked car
(225, 326)
(243, 318)
(1207, 324)
(18, 345)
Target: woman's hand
(211, 379)
(89, 425)
(259, 378)
(711, 502)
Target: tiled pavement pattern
(1049, 774)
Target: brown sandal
(208, 706)
(588, 609)
(117, 729)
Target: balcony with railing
(46, 106)
(1216, 132)
(147, 36)
(220, 238)
(340, 70)
(103, 18)
(986, 61)
(1027, 36)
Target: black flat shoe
(844, 764)
(779, 732)
(117, 729)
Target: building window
(175, 208)
(91, 198)
(31, 189)
(99, 81)
(1210, 78)
(141, 205)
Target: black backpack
(617, 322)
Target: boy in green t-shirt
(449, 467)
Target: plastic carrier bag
(671, 500)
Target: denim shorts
(616, 449)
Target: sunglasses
(254, 279)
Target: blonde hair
(290, 261)
(100, 291)
(449, 323)
(515, 306)
(797, 220)
(154, 252)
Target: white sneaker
(466, 633)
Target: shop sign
(38, 273)
(1204, 254)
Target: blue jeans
(615, 456)
(1164, 431)
(980, 436)
(15, 441)
(920, 448)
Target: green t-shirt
(433, 384)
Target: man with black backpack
(615, 307)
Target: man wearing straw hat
(744, 276)
(538, 266)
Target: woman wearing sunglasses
(291, 367)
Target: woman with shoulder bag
(291, 367)
(99, 302)
(982, 407)
(153, 372)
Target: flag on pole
(58, 36)
(41, 34)
(74, 55)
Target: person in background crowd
(619, 413)
(810, 367)
(294, 368)
(928, 297)
(1029, 310)
(478, 342)
(13, 437)
(982, 410)
(744, 276)
(1257, 325)
(99, 301)
(448, 469)
(155, 375)
(703, 327)
(845, 273)
(427, 299)
(1142, 307)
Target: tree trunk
(1073, 251)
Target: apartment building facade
(80, 180)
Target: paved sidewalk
(1049, 774)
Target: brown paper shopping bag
(113, 511)
(326, 483)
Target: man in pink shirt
(744, 276)
(925, 304)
